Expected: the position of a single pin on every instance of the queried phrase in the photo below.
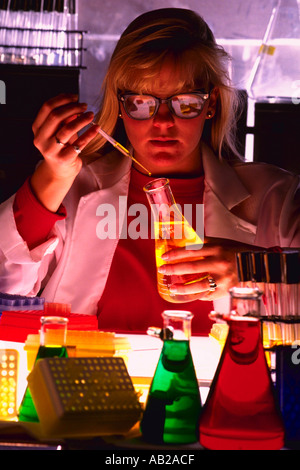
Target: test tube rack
(277, 275)
(9, 359)
(78, 397)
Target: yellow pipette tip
(128, 154)
(120, 147)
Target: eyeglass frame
(159, 101)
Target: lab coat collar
(109, 169)
(219, 175)
(222, 179)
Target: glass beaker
(53, 334)
(240, 411)
(171, 230)
(173, 405)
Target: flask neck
(178, 323)
(245, 301)
(158, 191)
(161, 200)
(244, 339)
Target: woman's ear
(212, 104)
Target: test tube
(273, 285)
(31, 36)
(243, 262)
(73, 36)
(27, 24)
(258, 272)
(257, 267)
(273, 297)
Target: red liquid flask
(240, 412)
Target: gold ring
(212, 284)
(58, 141)
(76, 148)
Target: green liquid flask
(52, 344)
(173, 405)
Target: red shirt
(130, 302)
(33, 220)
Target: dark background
(239, 25)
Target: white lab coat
(252, 203)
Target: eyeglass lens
(145, 106)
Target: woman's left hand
(216, 260)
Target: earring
(209, 114)
(120, 115)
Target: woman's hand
(215, 260)
(55, 130)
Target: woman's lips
(163, 142)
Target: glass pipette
(120, 147)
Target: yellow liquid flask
(173, 405)
(52, 344)
(171, 230)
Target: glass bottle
(173, 405)
(52, 344)
(171, 230)
(240, 412)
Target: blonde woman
(168, 98)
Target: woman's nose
(163, 117)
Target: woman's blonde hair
(184, 37)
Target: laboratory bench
(141, 360)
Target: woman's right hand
(56, 130)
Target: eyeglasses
(183, 105)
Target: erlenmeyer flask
(52, 344)
(171, 230)
(275, 73)
(240, 411)
(173, 405)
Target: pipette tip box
(77, 397)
